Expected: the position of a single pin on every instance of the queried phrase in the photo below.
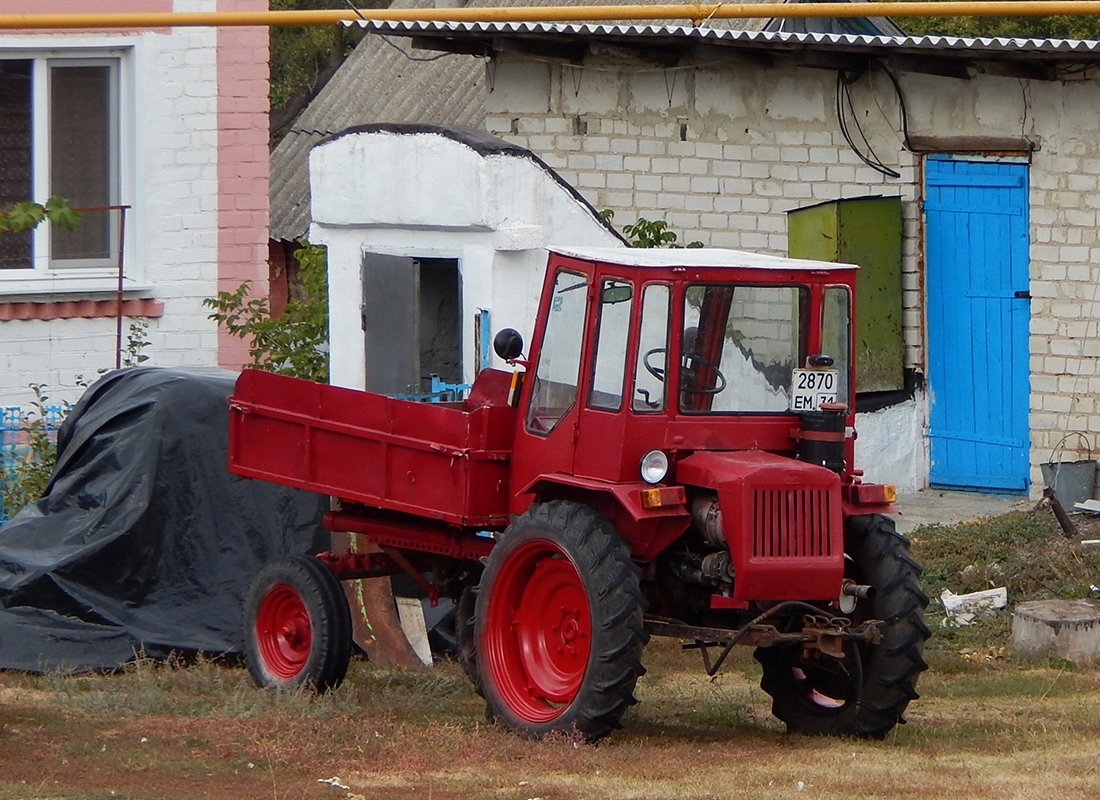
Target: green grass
(1026, 552)
(985, 726)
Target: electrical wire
(844, 108)
(358, 13)
(902, 112)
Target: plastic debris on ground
(964, 609)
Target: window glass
(76, 145)
(609, 370)
(82, 162)
(555, 387)
(649, 375)
(15, 156)
(836, 320)
(739, 346)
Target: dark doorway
(411, 323)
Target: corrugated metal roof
(775, 39)
(381, 81)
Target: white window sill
(27, 285)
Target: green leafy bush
(30, 471)
(649, 233)
(294, 343)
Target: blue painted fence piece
(13, 438)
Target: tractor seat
(490, 388)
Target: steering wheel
(656, 372)
(689, 383)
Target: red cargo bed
(445, 461)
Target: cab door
(601, 433)
(547, 435)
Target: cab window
(836, 325)
(609, 362)
(649, 374)
(555, 388)
(739, 346)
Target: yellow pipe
(688, 11)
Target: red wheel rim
(538, 631)
(283, 632)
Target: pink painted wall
(242, 164)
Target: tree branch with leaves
(27, 214)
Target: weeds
(1023, 551)
(295, 343)
(26, 477)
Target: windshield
(739, 347)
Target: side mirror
(508, 344)
(617, 293)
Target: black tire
(297, 626)
(466, 642)
(865, 694)
(558, 624)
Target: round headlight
(654, 466)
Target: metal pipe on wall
(693, 12)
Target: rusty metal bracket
(820, 633)
(400, 559)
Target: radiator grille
(791, 523)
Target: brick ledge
(79, 309)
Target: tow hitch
(820, 633)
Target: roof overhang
(679, 44)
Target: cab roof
(694, 257)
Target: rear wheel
(297, 625)
(865, 693)
(558, 624)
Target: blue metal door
(976, 266)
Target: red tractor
(672, 456)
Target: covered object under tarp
(143, 542)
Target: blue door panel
(976, 255)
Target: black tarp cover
(143, 542)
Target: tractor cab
(642, 358)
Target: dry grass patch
(985, 726)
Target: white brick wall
(169, 129)
(723, 153)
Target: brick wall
(194, 161)
(242, 164)
(723, 152)
(720, 168)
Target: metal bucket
(1072, 481)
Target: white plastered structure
(425, 192)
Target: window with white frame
(59, 135)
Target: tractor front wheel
(297, 625)
(558, 623)
(865, 693)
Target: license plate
(812, 387)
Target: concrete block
(1069, 629)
